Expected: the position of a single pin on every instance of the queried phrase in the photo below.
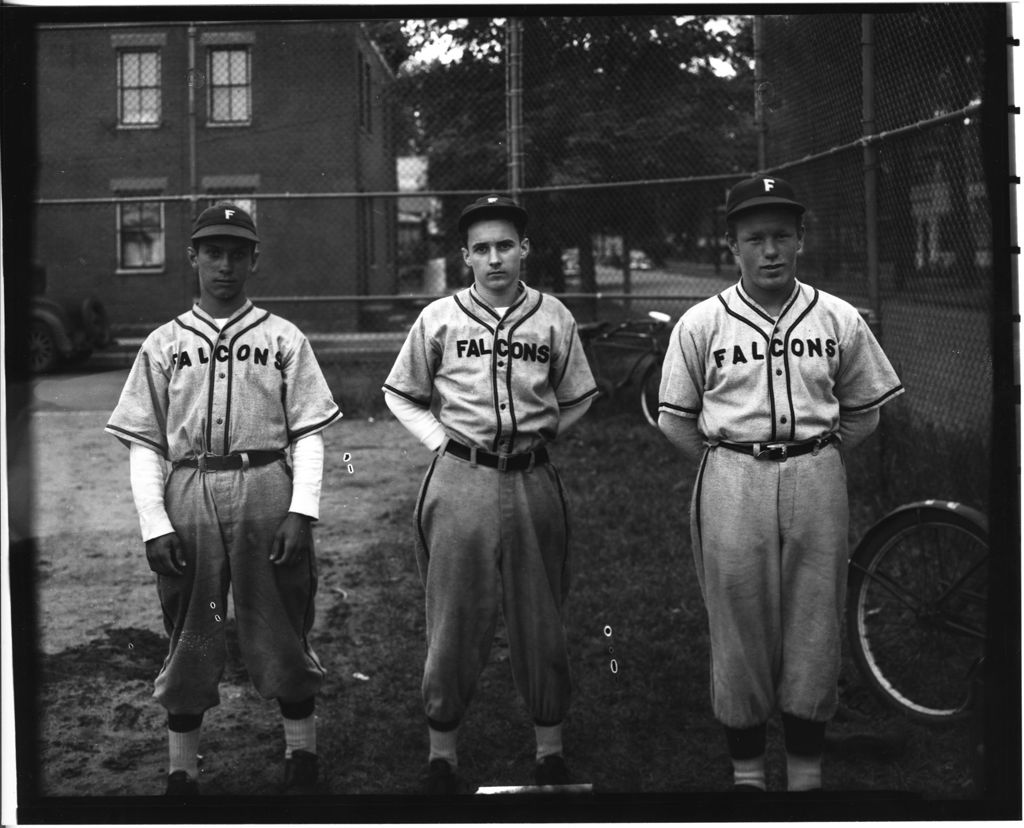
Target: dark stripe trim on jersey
(240, 317)
(409, 397)
(568, 533)
(746, 300)
(671, 407)
(517, 300)
(753, 308)
(742, 318)
(302, 432)
(578, 400)
(208, 431)
(697, 499)
(473, 316)
(231, 372)
(886, 396)
(419, 507)
(568, 356)
(785, 358)
(508, 373)
(138, 437)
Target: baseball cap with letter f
(761, 191)
(224, 219)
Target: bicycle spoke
(918, 611)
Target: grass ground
(644, 730)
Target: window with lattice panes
(138, 87)
(230, 85)
(140, 235)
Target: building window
(140, 235)
(138, 87)
(233, 188)
(230, 73)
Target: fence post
(760, 127)
(867, 45)
(514, 104)
(193, 79)
(870, 164)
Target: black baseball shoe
(301, 771)
(551, 770)
(442, 780)
(181, 785)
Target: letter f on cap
(228, 213)
(768, 184)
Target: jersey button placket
(220, 403)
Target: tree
(606, 99)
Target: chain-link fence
(899, 223)
(356, 147)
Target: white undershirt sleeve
(307, 475)
(146, 469)
(419, 421)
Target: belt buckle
(767, 452)
(201, 463)
(503, 462)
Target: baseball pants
(485, 535)
(226, 521)
(770, 548)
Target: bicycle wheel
(649, 386)
(916, 604)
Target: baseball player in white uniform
(506, 364)
(767, 385)
(224, 393)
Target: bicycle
(916, 606)
(602, 339)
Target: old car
(62, 329)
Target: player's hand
(166, 555)
(293, 542)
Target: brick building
(141, 126)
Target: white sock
(549, 740)
(749, 772)
(803, 773)
(442, 745)
(299, 734)
(183, 750)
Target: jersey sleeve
(309, 404)
(140, 415)
(412, 375)
(682, 373)
(866, 378)
(571, 376)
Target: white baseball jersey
(193, 389)
(751, 378)
(501, 380)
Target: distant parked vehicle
(64, 330)
(638, 260)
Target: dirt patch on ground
(100, 638)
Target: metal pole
(514, 105)
(870, 165)
(760, 126)
(193, 80)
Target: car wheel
(43, 355)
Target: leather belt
(231, 462)
(501, 462)
(781, 450)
